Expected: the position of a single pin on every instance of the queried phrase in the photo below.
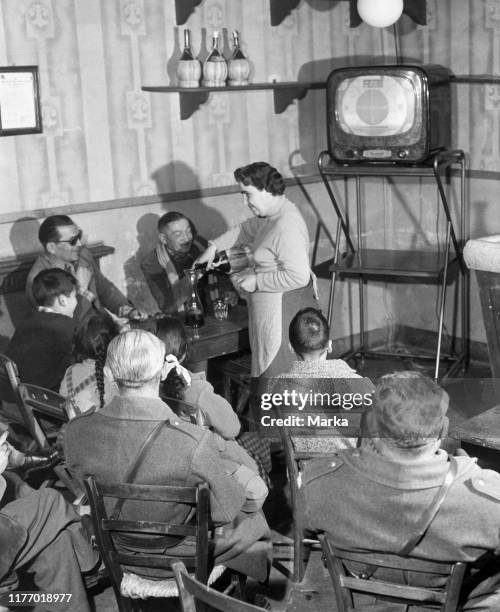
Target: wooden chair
(348, 581)
(315, 444)
(13, 410)
(300, 547)
(192, 590)
(235, 373)
(108, 530)
(45, 412)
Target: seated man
(41, 346)
(163, 268)
(373, 497)
(309, 336)
(106, 444)
(62, 243)
(41, 533)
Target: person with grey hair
(373, 498)
(108, 442)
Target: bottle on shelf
(189, 67)
(193, 307)
(238, 67)
(215, 66)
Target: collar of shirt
(138, 409)
(424, 472)
(46, 309)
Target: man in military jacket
(106, 444)
(371, 497)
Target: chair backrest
(192, 590)
(363, 579)
(294, 461)
(109, 530)
(41, 402)
(9, 380)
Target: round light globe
(380, 13)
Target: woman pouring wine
(279, 280)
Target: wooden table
(480, 437)
(218, 338)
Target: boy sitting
(41, 346)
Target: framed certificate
(19, 101)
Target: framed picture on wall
(19, 101)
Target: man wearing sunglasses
(63, 248)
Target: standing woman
(278, 280)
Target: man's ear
(50, 247)
(161, 238)
(290, 347)
(444, 429)
(62, 300)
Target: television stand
(391, 265)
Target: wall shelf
(191, 99)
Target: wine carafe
(215, 66)
(238, 67)
(193, 307)
(189, 67)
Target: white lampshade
(380, 13)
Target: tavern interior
(115, 158)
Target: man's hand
(83, 276)
(132, 314)
(207, 256)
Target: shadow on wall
(137, 290)
(177, 176)
(24, 240)
(171, 178)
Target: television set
(392, 114)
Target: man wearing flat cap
(371, 498)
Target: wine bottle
(189, 67)
(238, 67)
(215, 66)
(220, 263)
(234, 259)
(193, 307)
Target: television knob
(402, 154)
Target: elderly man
(106, 444)
(62, 243)
(163, 268)
(373, 497)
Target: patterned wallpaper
(104, 138)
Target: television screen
(382, 106)
(388, 113)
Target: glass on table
(221, 308)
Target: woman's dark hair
(309, 331)
(172, 333)
(92, 338)
(262, 176)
